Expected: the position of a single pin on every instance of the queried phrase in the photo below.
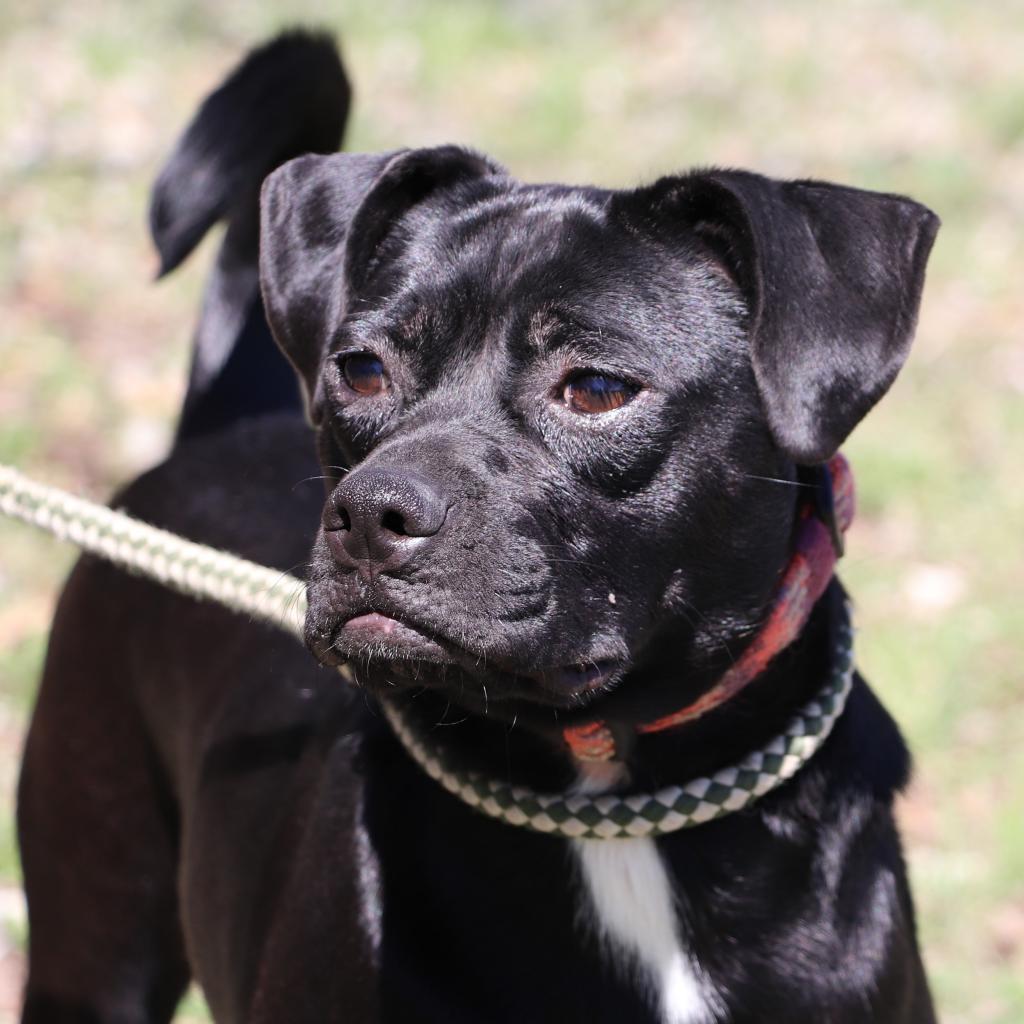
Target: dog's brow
(401, 328)
(543, 328)
(411, 327)
(551, 329)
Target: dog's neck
(531, 751)
(822, 517)
(750, 718)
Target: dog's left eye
(592, 393)
(364, 373)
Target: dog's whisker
(778, 480)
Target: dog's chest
(628, 900)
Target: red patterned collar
(817, 547)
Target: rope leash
(189, 568)
(279, 599)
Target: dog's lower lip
(372, 623)
(381, 635)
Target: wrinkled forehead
(544, 267)
(503, 243)
(525, 231)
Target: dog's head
(558, 423)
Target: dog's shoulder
(195, 669)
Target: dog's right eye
(364, 373)
(593, 393)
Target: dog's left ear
(832, 277)
(323, 220)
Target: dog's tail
(289, 97)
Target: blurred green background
(921, 97)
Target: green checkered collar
(619, 816)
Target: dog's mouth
(411, 654)
(375, 635)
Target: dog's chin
(385, 653)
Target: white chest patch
(629, 901)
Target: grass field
(921, 97)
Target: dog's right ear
(832, 277)
(323, 220)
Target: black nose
(380, 518)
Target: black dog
(559, 427)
